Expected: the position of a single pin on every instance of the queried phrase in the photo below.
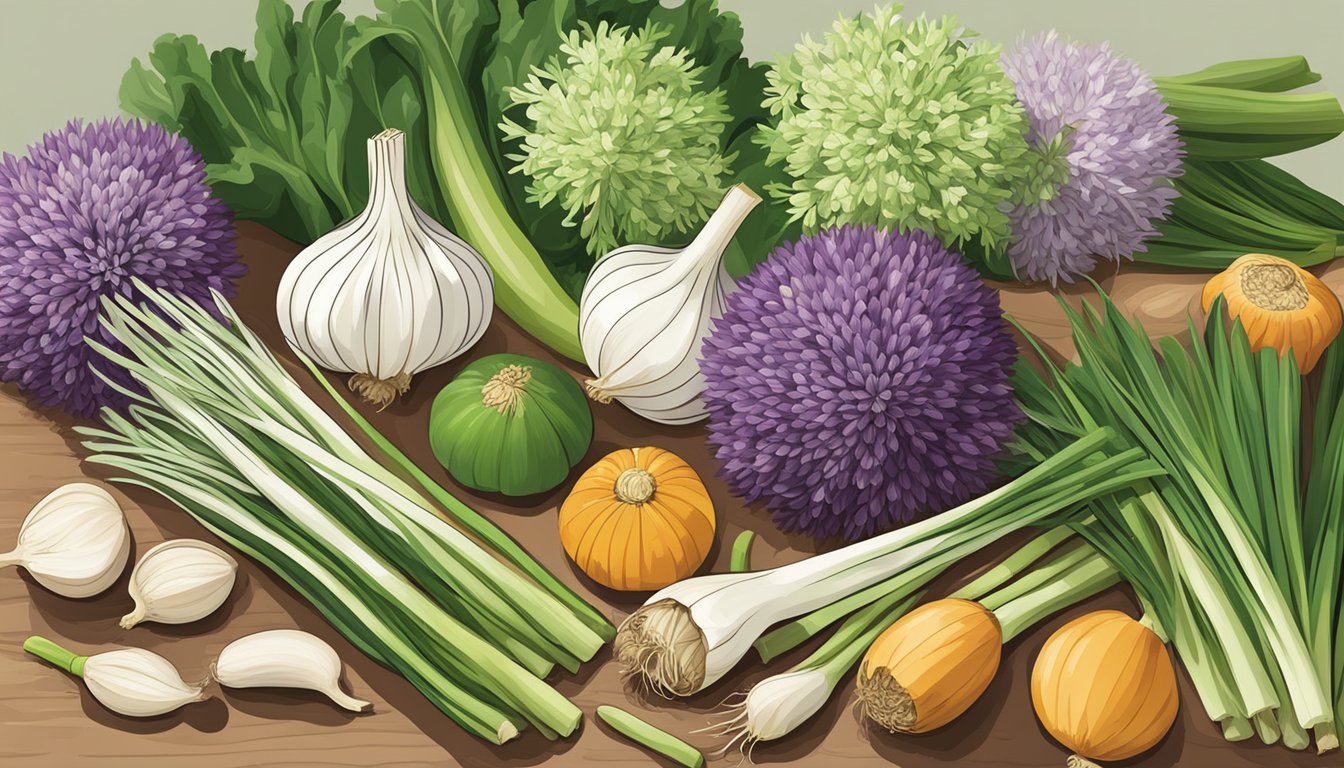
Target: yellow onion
(930, 666)
(1104, 687)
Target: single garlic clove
(129, 681)
(180, 581)
(646, 310)
(74, 542)
(285, 658)
(138, 683)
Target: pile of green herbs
(452, 604)
(1234, 554)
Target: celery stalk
(1268, 75)
(524, 287)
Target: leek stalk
(223, 431)
(1221, 548)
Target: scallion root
(662, 645)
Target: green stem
(1067, 582)
(55, 655)
(741, 557)
(1014, 563)
(1273, 75)
(525, 289)
(477, 524)
(843, 649)
(648, 736)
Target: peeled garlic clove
(180, 581)
(285, 658)
(388, 294)
(646, 310)
(130, 681)
(74, 542)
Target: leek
(1221, 549)
(779, 704)
(223, 431)
(690, 634)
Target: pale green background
(64, 58)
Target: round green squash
(510, 424)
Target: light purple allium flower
(88, 209)
(858, 380)
(1101, 123)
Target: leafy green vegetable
(283, 132)
(621, 133)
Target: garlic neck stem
(55, 655)
(11, 558)
(714, 237)
(387, 175)
(136, 615)
(346, 701)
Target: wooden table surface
(46, 717)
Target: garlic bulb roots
(646, 310)
(74, 542)
(389, 293)
(285, 658)
(129, 681)
(180, 581)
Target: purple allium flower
(858, 380)
(88, 209)
(1101, 122)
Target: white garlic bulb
(180, 581)
(389, 293)
(285, 658)
(129, 681)
(646, 310)
(74, 542)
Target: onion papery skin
(1103, 685)
(930, 666)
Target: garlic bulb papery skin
(646, 310)
(180, 581)
(390, 292)
(74, 542)
(129, 681)
(285, 658)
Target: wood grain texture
(47, 716)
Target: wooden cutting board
(46, 717)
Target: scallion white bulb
(130, 681)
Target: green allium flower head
(622, 133)
(913, 126)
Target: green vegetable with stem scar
(512, 424)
